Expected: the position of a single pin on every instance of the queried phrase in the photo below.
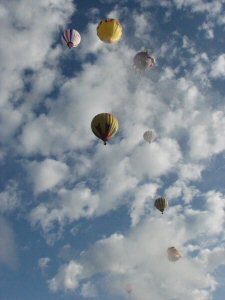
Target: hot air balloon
(109, 31)
(71, 38)
(161, 204)
(104, 126)
(129, 289)
(149, 136)
(143, 61)
(173, 254)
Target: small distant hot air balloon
(149, 136)
(129, 289)
(173, 254)
(71, 38)
(104, 126)
(109, 30)
(143, 61)
(161, 204)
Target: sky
(77, 218)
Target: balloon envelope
(104, 126)
(173, 254)
(109, 31)
(149, 136)
(143, 61)
(71, 38)
(161, 204)
(129, 289)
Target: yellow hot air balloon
(109, 31)
(161, 204)
(104, 126)
(173, 254)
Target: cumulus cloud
(207, 135)
(212, 258)
(67, 278)
(88, 290)
(43, 262)
(190, 172)
(47, 174)
(210, 219)
(71, 205)
(9, 198)
(143, 198)
(139, 259)
(208, 28)
(155, 160)
(181, 191)
(24, 26)
(218, 67)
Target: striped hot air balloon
(104, 126)
(71, 38)
(161, 204)
(109, 31)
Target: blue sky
(77, 219)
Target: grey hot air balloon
(161, 204)
(149, 136)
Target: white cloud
(191, 172)
(71, 205)
(215, 209)
(140, 205)
(207, 135)
(208, 28)
(28, 32)
(168, 74)
(140, 259)
(46, 174)
(67, 125)
(91, 44)
(156, 159)
(67, 277)
(11, 118)
(210, 219)
(141, 22)
(201, 6)
(88, 290)
(43, 262)
(48, 136)
(218, 67)
(212, 259)
(181, 191)
(9, 198)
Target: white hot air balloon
(71, 38)
(149, 136)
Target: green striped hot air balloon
(161, 204)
